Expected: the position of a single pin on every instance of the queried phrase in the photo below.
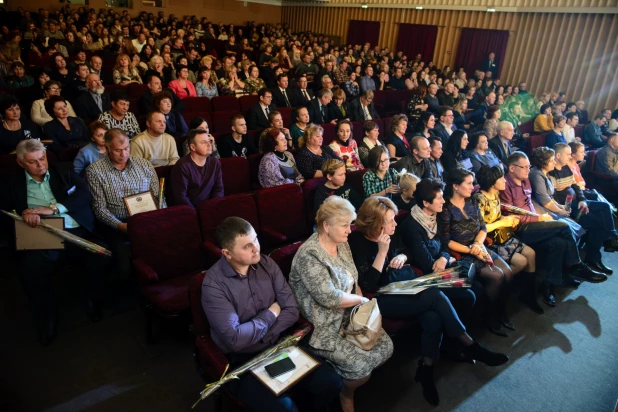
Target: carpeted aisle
(564, 360)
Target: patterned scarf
(429, 223)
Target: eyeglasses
(527, 167)
(384, 161)
(55, 89)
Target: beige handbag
(365, 325)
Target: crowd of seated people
(108, 91)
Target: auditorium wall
(575, 52)
(224, 11)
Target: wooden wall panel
(488, 3)
(575, 53)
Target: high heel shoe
(482, 354)
(424, 375)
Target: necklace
(6, 126)
(284, 158)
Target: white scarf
(429, 223)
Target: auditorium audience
(182, 86)
(124, 72)
(237, 144)
(445, 127)
(65, 131)
(404, 200)
(243, 328)
(154, 86)
(153, 144)
(301, 119)
(257, 115)
(556, 135)
(363, 109)
(37, 190)
(278, 166)
(380, 260)
(435, 164)
(425, 125)
(417, 162)
(544, 121)
(15, 127)
(380, 179)
(455, 153)
(480, 153)
(119, 116)
(569, 128)
(606, 161)
(312, 154)
(253, 83)
(592, 132)
(93, 151)
(371, 133)
(416, 105)
(501, 144)
(175, 124)
(335, 173)
(397, 142)
(491, 122)
(339, 108)
(345, 147)
(38, 113)
(462, 228)
(206, 85)
(196, 176)
(94, 101)
(324, 281)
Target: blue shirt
(86, 156)
(39, 194)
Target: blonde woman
(312, 154)
(124, 72)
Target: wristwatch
(54, 209)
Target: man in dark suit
(267, 73)
(501, 144)
(154, 86)
(37, 191)
(257, 115)
(362, 109)
(282, 96)
(491, 65)
(304, 95)
(94, 102)
(444, 126)
(318, 108)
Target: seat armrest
(272, 237)
(144, 273)
(213, 253)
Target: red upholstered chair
(309, 187)
(596, 180)
(247, 101)
(355, 179)
(167, 253)
(211, 212)
(527, 127)
(136, 90)
(68, 154)
(286, 115)
(579, 130)
(189, 115)
(236, 175)
(379, 101)
(225, 103)
(387, 127)
(281, 210)
(392, 102)
(536, 140)
(284, 256)
(210, 362)
(329, 133)
(405, 96)
(221, 120)
(357, 131)
(254, 169)
(383, 133)
(197, 104)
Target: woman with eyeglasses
(38, 114)
(380, 180)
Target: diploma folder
(31, 238)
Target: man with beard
(91, 104)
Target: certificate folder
(30, 238)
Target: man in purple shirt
(249, 305)
(554, 238)
(196, 176)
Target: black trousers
(435, 312)
(556, 240)
(36, 270)
(315, 392)
(120, 247)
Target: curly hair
(542, 156)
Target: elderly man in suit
(37, 191)
(257, 115)
(501, 144)
(90, 105)
(491, 65)
(363, 109)
(319, 112)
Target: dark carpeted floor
(564, 360)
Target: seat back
(355, 179)
(221, 120)
(211, 212)
(247, 101)
(309, 187)
(536, 140)
(284, 256)
(189, 115)
(527, 127)
(197, 104)
(329, 133)
(357, 131)
(236, 175)
(200, 321)
(254, 169)
(281, 209)
(286, 116)
(225, 103)
(168, 240)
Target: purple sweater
(191, 183)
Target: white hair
(28, 146)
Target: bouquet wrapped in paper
(517, 210)
(271, 352)
(446, 278)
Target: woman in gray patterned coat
(325, 283)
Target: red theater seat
(309, 187)
(247, 101)
(225, 103)
(197, 104)
(236, 175)
(167, 253)
(281, 210)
